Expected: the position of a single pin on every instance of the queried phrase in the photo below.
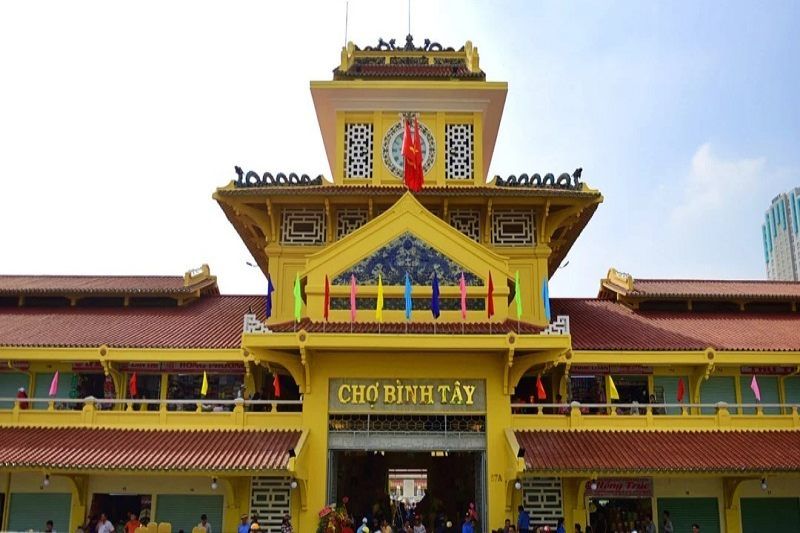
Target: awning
(660, 451)
(150, 450)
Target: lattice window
(459, 146)
(512, 227)
(358, 145)
(467, 221)
(350, 219)
(270, 499)
(541, 497)
(303, 226)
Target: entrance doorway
(118, 506)
(434, 486)
(622, 515)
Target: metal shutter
(770, 514)
(183, 511)
(31, 510)
(717, 389)
(42, 389)
(768, 385)
(791, 387)
(666, 391)
(10, 382)
(687, 511)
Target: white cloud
(715, 183)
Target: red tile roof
(714, 289)
(444, 328)
(210, 322)
(398, 71)
(606, 325)
(397, 191)
(98, 284)
(136, 449)
(661, 451)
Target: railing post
(649, 416)
(51, 405)
(15, 411)
(89, 410)
(238, 412)
(795, 417)
(575, 414)
(130, 407)
(723, 415)
(759, 410)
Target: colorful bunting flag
(546, 299)
(298, 298)
(276, 385)
(462, 285)
(435, 297)
(353, 291)
(204, 386)
(133, 386)
(379, 305)
(541, 394)
(490, 297)
(755, 389)
(681, 391)
(327, 301)
(408, 297)
(270, 290)
(612, 389)
(517, 295)
(54, 385)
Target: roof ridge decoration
(564, 180)
(428, 46)
(253, 179)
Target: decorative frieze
(358, 147)
(303, 226)
(467, 221)
(459, 151)
(349, 219)
(512, 227)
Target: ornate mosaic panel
(270, 499)
(350, 219)
(459, 147)
(407, 253)
(541, 497)
(467, 221)
(358, 146)
(512, 227)
(303, 226)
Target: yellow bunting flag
(611, 389)
(379, 306)
(204, 386)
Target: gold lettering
(457, 398)
(358, 394)
(426, 394)
(399, 388)
(443, 390)
(372, 393)
(341, 394)
(389, 395)
(470, 391)
(411, 393)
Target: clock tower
(359, 113)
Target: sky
(119, 120)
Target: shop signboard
(13, 366)
(621, 487)
(604, 370)
(766, 370)
(382, 395)
(87, 367)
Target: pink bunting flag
(754, 387)
(54, 385)
(353, 291)
(463, 286)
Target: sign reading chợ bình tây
(416, 395)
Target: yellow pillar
(733, 515)
(574, 496)
(314, 465)
(499, 468)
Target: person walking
(523, 520)
(48, 527)
(132, 523)
(363, 527)
(104, 525)
(22, 395)
(204, 523)
(468, 526)
(286, 524)
(649, 526)
(695, 528)
(244, 526)
(560, 528)
(668, 527)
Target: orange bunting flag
(541, 394)
(490, 298)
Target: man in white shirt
(204, 523)
(104, 525)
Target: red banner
(613, 487)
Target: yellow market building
(322, 403)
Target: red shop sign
(604, 370)
(199, 368)
(87, 366)
(621, 487)
(766, 370)
(14, 366)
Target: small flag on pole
(270, 290)
(353, 291)
(462, 285)
(133, 386)
(490, 298)
(54, 385)
(298, 298)
(379, 305)
(204, 386)
(541, 394)
(681, 391)
(755, 389)
(546, 299)
(327, 302)
(517, 295)
(435, 296)
(612, 389)
(276, 385)
(408, 297)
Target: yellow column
(499, 466)
(733, 515)
(314, 464)
(574, 495)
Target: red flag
(541, 394)
(412, 156)
(490, 297)
(327, 297)
(276, 384)
(133, 388)
(419, 178)
(681, 390)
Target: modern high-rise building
(781, 234)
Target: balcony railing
(165, 414)
(635, 416)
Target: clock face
(393, 148)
